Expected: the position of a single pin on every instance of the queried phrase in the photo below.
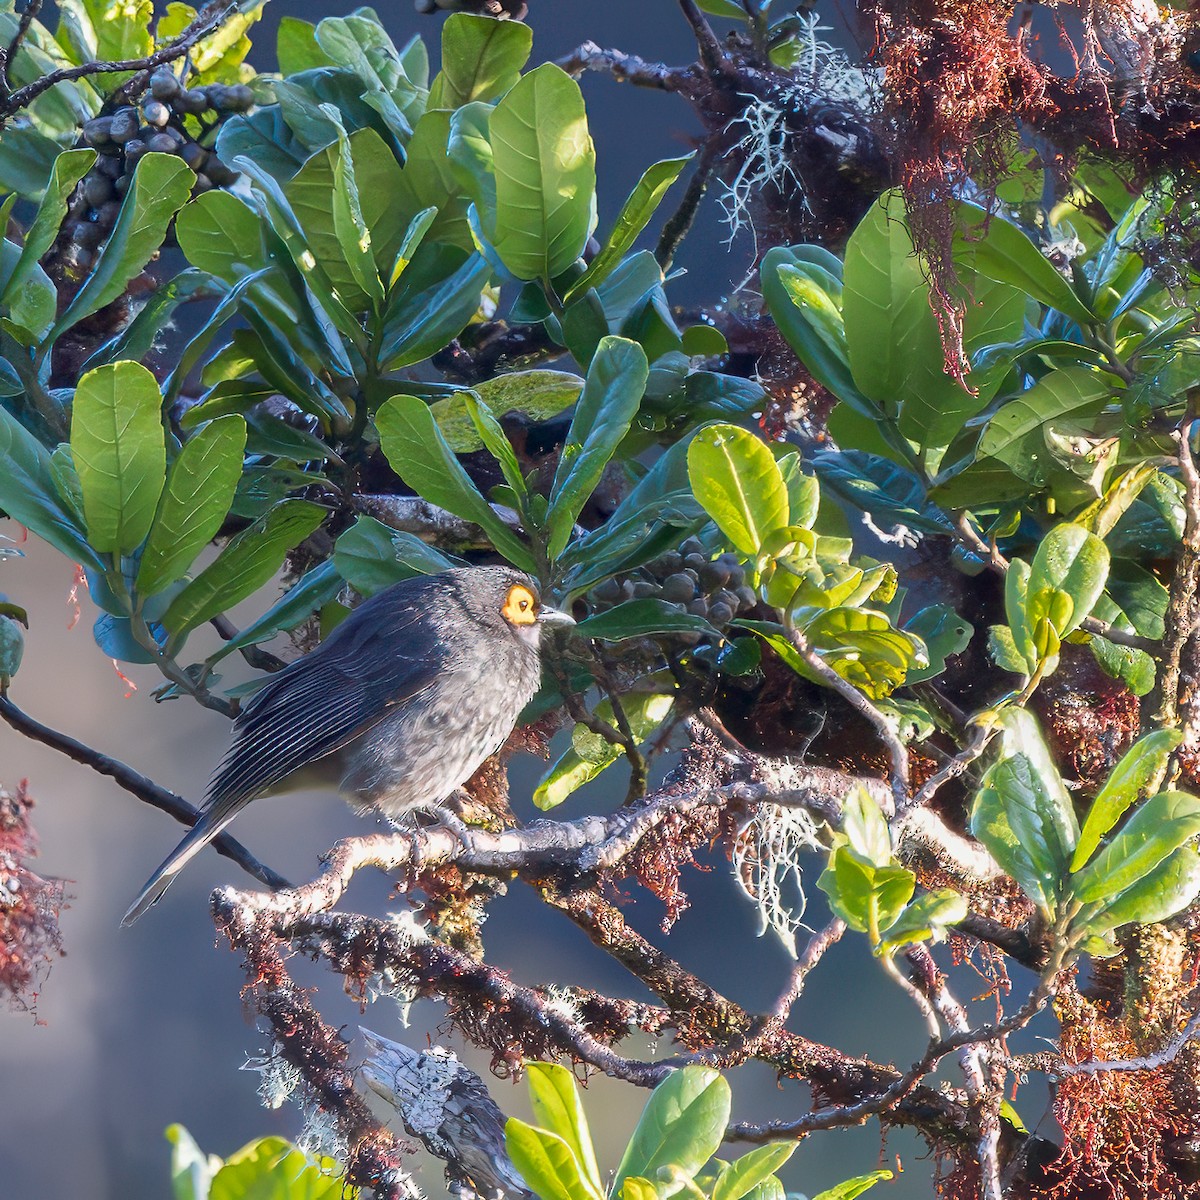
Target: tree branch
(137, 785)
(624, 68)
(211, 18)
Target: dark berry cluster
(515, 10)
(687, 578)
(159, 124)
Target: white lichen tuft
(767, 865)
(819, 72)
(279, 1079)
(320, 1136)
(563, 1002)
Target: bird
(395, 709)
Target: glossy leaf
(853, 1188)
(545, 171)
(370, 556)
(198, 494)
(634, 216)
(247, 562)
(1070, 562)
(869, 898)
(927, 918)
(1015, 435)
(1143, 762)
(28, 494)
(417, 452)
(308, 595)
(120, 454)
(607, 405)
(1161, 893)
(160, 185)
(590, 754)
(1002, 252)
(554, 1098)
(641, 618)
(271, 1169)
(736, 479)
(537, 394)
(1160, 825)
(69, 168)
(681, 1127)
(944, 632)
(744, 1174)
(546, 1163)
(481, 59)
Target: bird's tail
(208, 825)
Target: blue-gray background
(140, 1028)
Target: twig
(255, 656)
(897, 751)
(1146, 1062)
(1182, 608)
(711, 53)
(624, 68)
(204, 24)
(680, 222)
(137, 785)
(9, 55)
(955, 767)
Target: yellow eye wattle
(520, 606)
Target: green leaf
(744, 1174)
(866, 828)
(641, 618)
(893, 340)
(161, 184)
(333, 231)
(556, 1106)
(546, 1162)
(1023, 736)
(271, 1169)
(927, 917)
(537, 394)
(28, 494)
(1143, 762)
(865, 648)
(723, 8)
(869, 898)
(607, 405)
(1023, 813)
(735, 477)
(889, 492)
(417, 452)
(1015, 435)
(545, 170)
(370, 556)
(120, 454)
(247, 562)
(634, 216)
(296, 47)
(69, 168)
(1161, 893)
(199, 491)
(1159, 827)
(311, 592)
(852, 1188)
(681, 1128)
(944, 633)
(191, 1169)
(635, 1188)
(1016, 608)
(430, 179)
(590, 754)
(481, 59)
(1002, 252)
(1070, 562)
(420, 323)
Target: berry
(679, 588)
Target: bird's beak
(554, 616)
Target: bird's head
(514, 599)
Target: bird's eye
(520, 606)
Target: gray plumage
(396, 709)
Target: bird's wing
(379, 657)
